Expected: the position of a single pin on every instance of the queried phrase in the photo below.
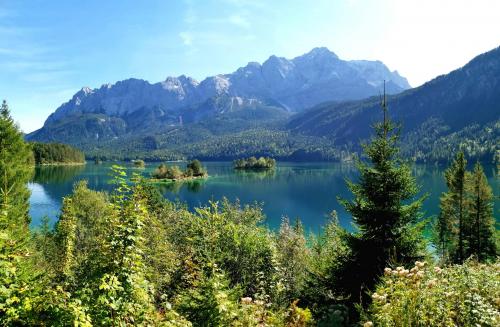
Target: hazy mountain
(135, 106)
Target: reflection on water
(56, 174)
(307, 191)
(194, 186)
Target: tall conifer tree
(16, 160)
(384, 208)
(452, 218)
(15, 169)
(482, 223)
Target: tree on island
(193, 169)
(385, 210)
(138, 163)
(254, 163)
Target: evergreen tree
(15, 169)
(482, 223)
(385, 211)
(16, 161)
(452, 218)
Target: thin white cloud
(187, 38)
(245, 3)
(239, 21)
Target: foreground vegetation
(132, 258)
(254, 163)
(427, 295)
(56, 154)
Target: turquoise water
(307, 191)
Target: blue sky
(50, 49)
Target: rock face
(296, 84)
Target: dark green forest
(133, 258)
(56, 153)
(254, 163)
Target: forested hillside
(56, 153)
(460, 110)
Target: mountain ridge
(296, 84)
(459, 110)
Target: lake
(307, 191)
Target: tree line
(56, 153)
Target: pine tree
(452, 218)
(385, 210)
(15, 169)
(482, 223)
(16, 161)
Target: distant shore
(175, 180)
(62, 164)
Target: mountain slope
(466, 98)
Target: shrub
(425, 295)
(139, 163)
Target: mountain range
(313, 107)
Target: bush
(425, 295)
(195, 168)
(139, 163)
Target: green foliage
(193, 169)
(254, 163)
(138, 163)
(481, 241)
(462, 295)
(292, 254)
(15, 171)
(132, 258)
(209, 300)
(18, 291)
(466, 225)
(324, 280)
(56, 153)
(385, 211)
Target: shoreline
(177, 180)
(61, 164)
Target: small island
(139, 163)
(253, 163)
(56, 154)
(164, 173)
